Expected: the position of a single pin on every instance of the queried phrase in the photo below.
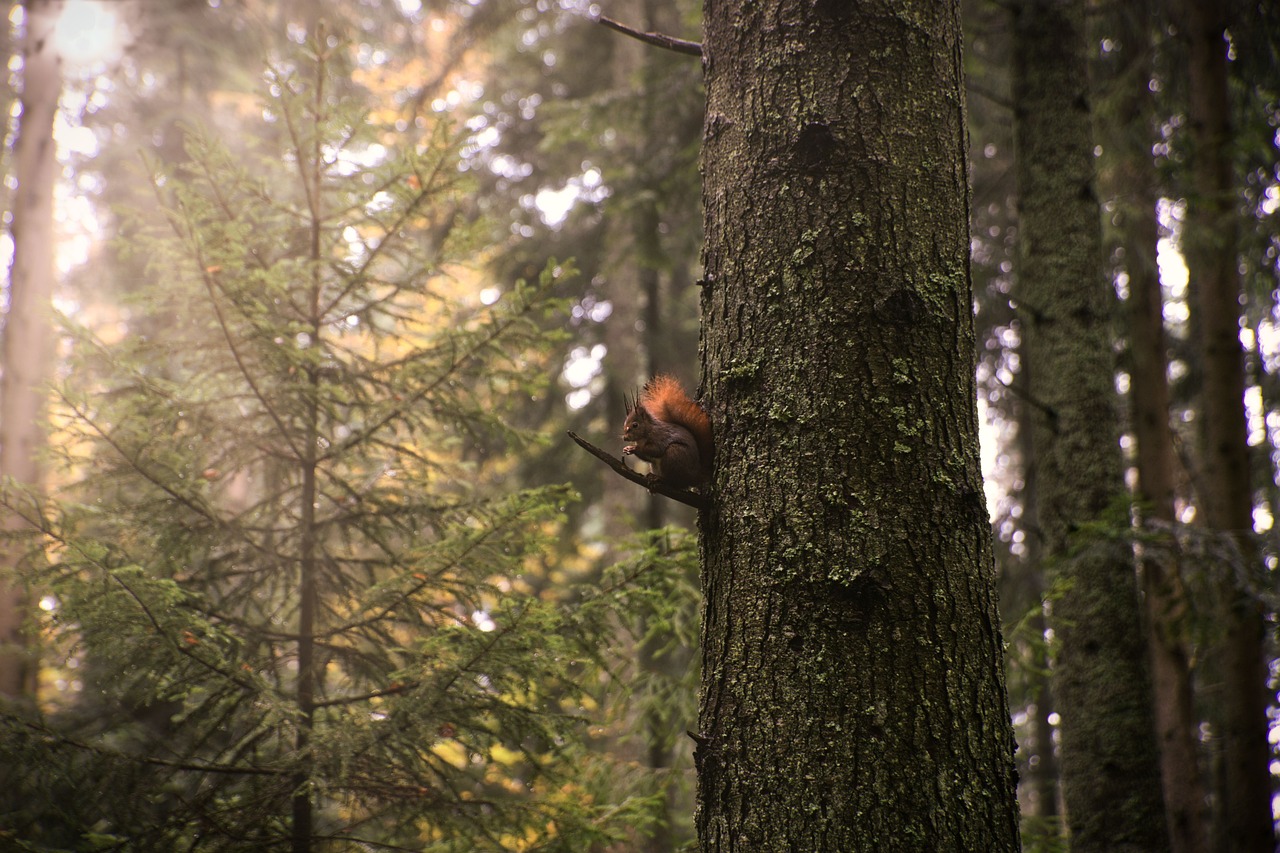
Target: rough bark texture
(28, 332)
(853, 691)
(1133, 190)
(1226, 498)
(1110, 764)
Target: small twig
(649, 481)
(994, 97)
(689, 48)
(1022, 394)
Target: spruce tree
(287, 576)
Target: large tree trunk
(1133, 189)
(1226, 498)
(853, 691)
(1110, 764)
(28, 333)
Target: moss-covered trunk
(853, 694)
(1110, 764)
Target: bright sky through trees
(89, 32)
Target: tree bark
(1226, 498)
(28, 332)
(852, 691)
(1110, 764)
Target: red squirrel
(671, 432)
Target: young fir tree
(291, 581)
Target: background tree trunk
(656, 655)
(1045, 776)
(853, 690)
(1132, 189)
(1226, 494)
(28, 333)
(1110, 765)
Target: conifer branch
(191, 502)
(178, 645)
(393, 690)
(497, 329)
(207, 277)
(143, 606)
(140, 758)
(212, 287)
(428, 189)
(408, 595)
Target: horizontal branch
(649, 481)
(393, 690)
(188, 766)
(689, 48)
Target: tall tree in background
(609, 127)
(661, 262)
(853, 689)
(1002, 374)
(1226, 492)
(1130, 187)
(1110, 764)
(28, 331)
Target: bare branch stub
(689, 48)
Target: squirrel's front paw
(628, 450)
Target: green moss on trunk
(853, 694)
(1110, 766)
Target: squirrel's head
(637, 416)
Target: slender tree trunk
(1163, 590)
(1226, 498)
(9, 46)
(1134, 191)
(302, 795)
(28, 332)
(652, 658)
(1110, 763)
(852, 690)
(1044, 776)
(309, 668)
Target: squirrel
(671, 432)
